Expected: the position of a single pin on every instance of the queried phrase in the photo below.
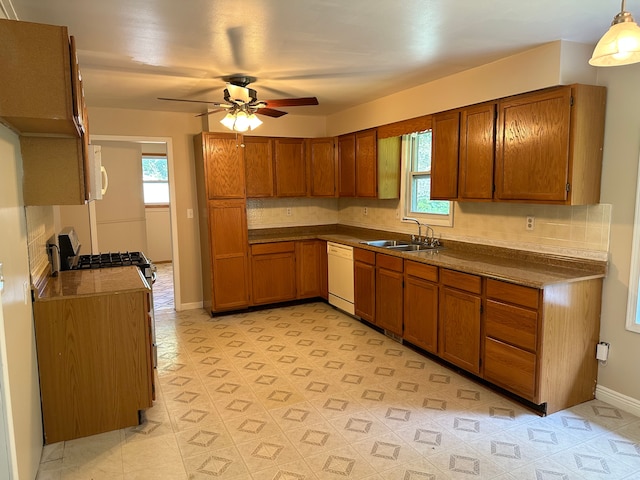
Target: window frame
(633, 308)
(156, 204)
(408, 145)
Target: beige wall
(19, 372)
(619, 177)
(158, 226)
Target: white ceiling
(344, 52)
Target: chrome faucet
(413, 237)
(430, 240)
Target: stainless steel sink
(386, 243)
(412, 248)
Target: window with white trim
(155, 179)
(416, 161)
(633, 299)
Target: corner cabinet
(549, 146)
(220, 180)
(43, 101)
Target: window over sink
(416, 187)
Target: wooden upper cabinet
(290, 171)
(477, 147)
(322, 167)
(347, 165)
(366, 163)
(36, 78)
(444, 155)
(258, 157)
(549, 145)
(224, 165)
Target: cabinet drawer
(364, 256)
(512, 324)
(510, 367)
(461, 281)
(516, 294)
(277, 247)
(420, 270)
(388, 262)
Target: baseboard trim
(189, 306)
(618, 400)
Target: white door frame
(175, 258)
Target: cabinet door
(477, 147)
(224, 166)
(389, 298)
(444, 156)
(421, 313)
(311, 268)
(366, 164)
(322, 167)
(532, 155)
(229, 264)
(273, 272)
(291, 178)
(258, 157)
(347, 165)
(459, 328)
(364, 277)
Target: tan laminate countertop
(523, 268)
(75, 283)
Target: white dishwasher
(340, 263)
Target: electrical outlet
(365, 211)
(189, 212)
(531, 223)
(288, 211)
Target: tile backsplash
(40, 228)
(580, 231)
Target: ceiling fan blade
(215, 110)
(292, 102)
(270, 112)
(215, 104)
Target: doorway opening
(155, 217)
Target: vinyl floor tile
(305, 392)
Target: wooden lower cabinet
(273, 272)
(421, 305)
(228, 268)
(364, 277)
(389, 287)
(94, 356)
(460, 319)
(311, 269)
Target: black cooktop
(112, 259)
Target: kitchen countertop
(515, 266)
(76, 283)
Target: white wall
(158, 234)
(17, 338)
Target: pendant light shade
(620, 45)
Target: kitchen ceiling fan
(242, 104)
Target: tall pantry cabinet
(220, 179)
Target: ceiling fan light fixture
(254, 121)
(242, 121)
(620, 45)
(228, 121)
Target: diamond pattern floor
(306, 392)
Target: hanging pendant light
(620, 45)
